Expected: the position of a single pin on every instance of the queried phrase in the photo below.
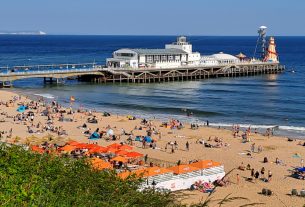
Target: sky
(154, 17)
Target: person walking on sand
(143, 144)
(187, 146)
(269, 175)
(260, 149)
(237, 179)
(256, 175)
(252, 173)
(253, 147)
(145, 158)
(173, 150)
(263, 173)
(176, 145)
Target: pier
(101, 74)
(175, 62)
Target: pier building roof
(223, 56)
(159, 51)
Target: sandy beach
(232, 152)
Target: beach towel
(301, 169)
(296, 156)
(148, 139)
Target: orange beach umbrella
(125, 147)
(112, 150)
(145, 172)
(203, 164)
(114, 145)
(98, 149)
(134, 154)
(181, 169)
(121, 152)
(68, 148)
(100, 164)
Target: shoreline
(281, 131)
(231, 154)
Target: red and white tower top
(271, 55)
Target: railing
(196, 66)
(41, 72)
(49, 67)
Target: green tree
(29, 179)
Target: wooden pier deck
(101, 74)
(149, 75)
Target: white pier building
(177, 54)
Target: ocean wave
(45, 95)
(292, 128)
(253, 126)
(163, 109)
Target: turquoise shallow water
(259, 101)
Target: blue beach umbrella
(21, 109)
(94, 135)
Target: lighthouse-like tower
(271, 55)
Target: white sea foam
(292, 128)
(243, 125)
(45, 95)
(288, 128)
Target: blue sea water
(260, 101)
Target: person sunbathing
(242, 167)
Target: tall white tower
(181, 44)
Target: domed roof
(223, 56)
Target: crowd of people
(41, 117)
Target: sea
(260, 102)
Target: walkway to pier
(56, 72)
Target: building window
(157, 58)
(125, 54)
(170, 58)
(149, 59)
(163, 58)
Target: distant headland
(23, 33)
